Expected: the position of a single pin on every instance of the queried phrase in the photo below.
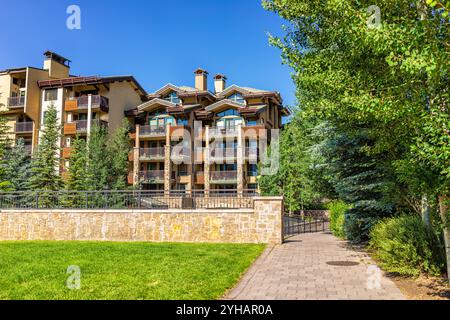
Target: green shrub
(337, 215)
(357, 227)
(404, 245)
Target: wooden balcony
(82, 103)
(130, 178)
(81, 126)
(184, 178)
(200, 177)
(131, 156)
(24, 127)
(16, 102)
(70, 128)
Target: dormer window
(172, 97)
(237, 98)
(228, 112)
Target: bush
(337, 215)
(404, 245)
(357, 227)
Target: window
(252, 122)
(252, 170)
(237, 97)
(50, 94)
(172, 97)
(182, 122)
(162, 121)
(228, 112)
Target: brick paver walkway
(298, 269)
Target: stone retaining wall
(262, 224)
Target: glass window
(182, 122)
(237, 97)
(50, 94)
(252, 170)
(252, 122)
(228, 112)
(172, 97)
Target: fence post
(139, 199)
(86, 193)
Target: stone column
(240, 163)
(206, 161)
(269, 219)
(167, 163)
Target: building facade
(192, 139)
(183, 138)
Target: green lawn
(111, 270)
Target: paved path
(298, 269)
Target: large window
(50, 94)
(172, 97)
(162, 121)
(228, 112)
(237, 97)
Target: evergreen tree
(97, 159)
(5, 143)
(45, 161)
(117, 149)
(18, 166)
(77, 172)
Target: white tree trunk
(444, 213)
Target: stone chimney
(219, 82)
(201, 79)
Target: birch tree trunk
(444, 213)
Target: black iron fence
(297, 224)
(128, 199)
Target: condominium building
(189, 138)
(184, 138)
(20, 96)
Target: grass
(112, 270)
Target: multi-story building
(189, 138)
(82, 102)
(185, 138)
(20, 96)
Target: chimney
(219, 82)
(56, 65)
(201, 79)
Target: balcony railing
(223, 153)
(24, 127)
(16, 102)
(151, 176)
(251, 153)
(152, 130)
(215, 132)
(83, 124)
(97, 101)
(226, 176)
(151, 153)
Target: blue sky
(156, 41)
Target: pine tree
(46, 161)
(5, 184)
(97, 159)
(18, 165)
(117, 150)
(77, 179)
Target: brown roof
(91, 80)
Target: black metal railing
(297, 224)
(24, 126)
(128, 199)
(16, 102)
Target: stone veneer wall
(262, 224)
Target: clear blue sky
(156, 41)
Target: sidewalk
(298, 269)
